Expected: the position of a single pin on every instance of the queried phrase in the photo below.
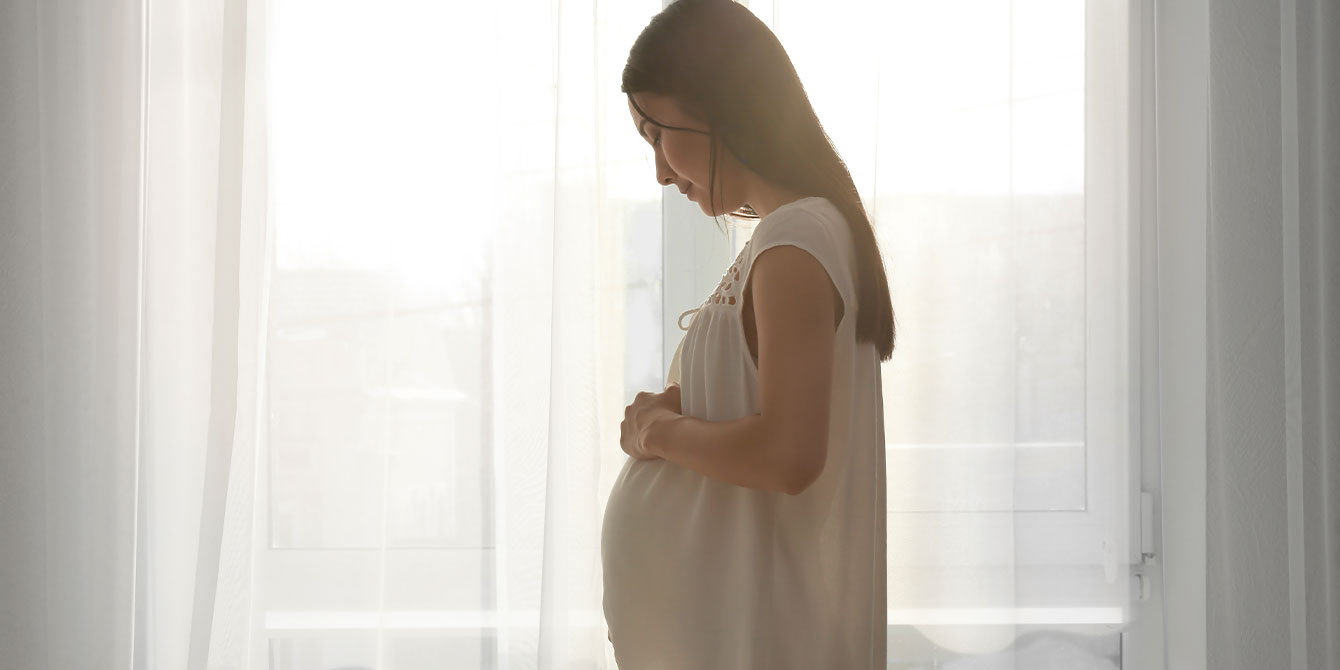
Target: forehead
(662, 108)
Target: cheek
(688, 159)
(673, 157)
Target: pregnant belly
(646, 513)
(681, 556)
(644, 539)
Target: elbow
(799, 452)
(804, 459)
(801, 479)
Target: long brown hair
(722, 64)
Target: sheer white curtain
(1272, 326)
(322, 348)
(202, 257)
(398, 276)
(407, 346)
(1247, 245)
(318, 319)
(399, 271)
(70, 114)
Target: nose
(664, 175)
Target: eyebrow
(646, 119)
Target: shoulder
(806, 217)
(814, 225)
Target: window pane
(975, 177)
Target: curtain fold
(550, 339)
(224, 393)
(70, 120)
(205, 218)
(1317, 503)
(1271, 584)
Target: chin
(707, 209)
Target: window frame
(1115, 351)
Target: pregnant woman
(747, 528)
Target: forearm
(740, 452)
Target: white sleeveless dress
(700, 574)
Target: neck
(765, 198)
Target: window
(990, 142)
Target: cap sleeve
(822, 234)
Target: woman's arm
(783, 448)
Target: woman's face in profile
(683, 157)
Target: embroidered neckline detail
(726, 291)
(724, 295)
